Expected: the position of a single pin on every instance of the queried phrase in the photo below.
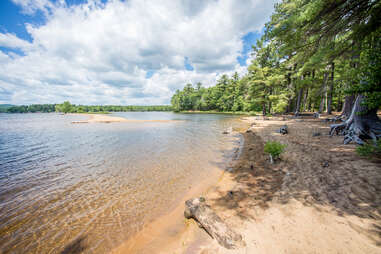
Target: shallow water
(67, 188)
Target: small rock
(283, 130)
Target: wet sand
(99, 118)
(170, 233)
(321, 197)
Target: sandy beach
(321, 197)
(102, 118)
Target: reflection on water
(73, 188)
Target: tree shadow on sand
(347, 188)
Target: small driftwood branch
(197, 209)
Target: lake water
(88, 187)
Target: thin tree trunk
(299, 98)
(305, 100)
(264, 108)
(289, 86)
(271, 92)
(323, 93)
(330, 94)
(298, 101)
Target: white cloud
(98, 53)
(12, 41)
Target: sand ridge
(101, 118)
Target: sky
(122, 52)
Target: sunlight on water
(87, 187)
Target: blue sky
(121, 52)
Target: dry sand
(319, 198)
(100, 118)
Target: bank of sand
(101, 118)
(320, 198)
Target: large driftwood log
(197, 209)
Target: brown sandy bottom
(99, 118)
(320, 198)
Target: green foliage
(4, 107)
(274, 148)
(31, 108)
(313, 53)
(369, 149)
(66, 107)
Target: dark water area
(67, 188)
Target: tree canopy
(313, 55)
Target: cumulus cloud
(12, 41)
(100, 53)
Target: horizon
(117, 53)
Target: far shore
(104, 118)
(321, 197)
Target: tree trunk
(330, 94)
(271, 92)
(197, 209)
(361, 124)
(323, 93)
(263, 108)
(348, 105)
(298, 102)
(305, 100)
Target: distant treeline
(66, 107)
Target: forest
(67, 107)
(315, 56)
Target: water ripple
(100, 183)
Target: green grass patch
(369, 149)
(275, 149)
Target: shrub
(369, 149)
(274, 149)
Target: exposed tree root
(362, 124)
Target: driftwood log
(197, 209)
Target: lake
(97, 184)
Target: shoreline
(163, 234)
(297, 203)
(102, 118)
